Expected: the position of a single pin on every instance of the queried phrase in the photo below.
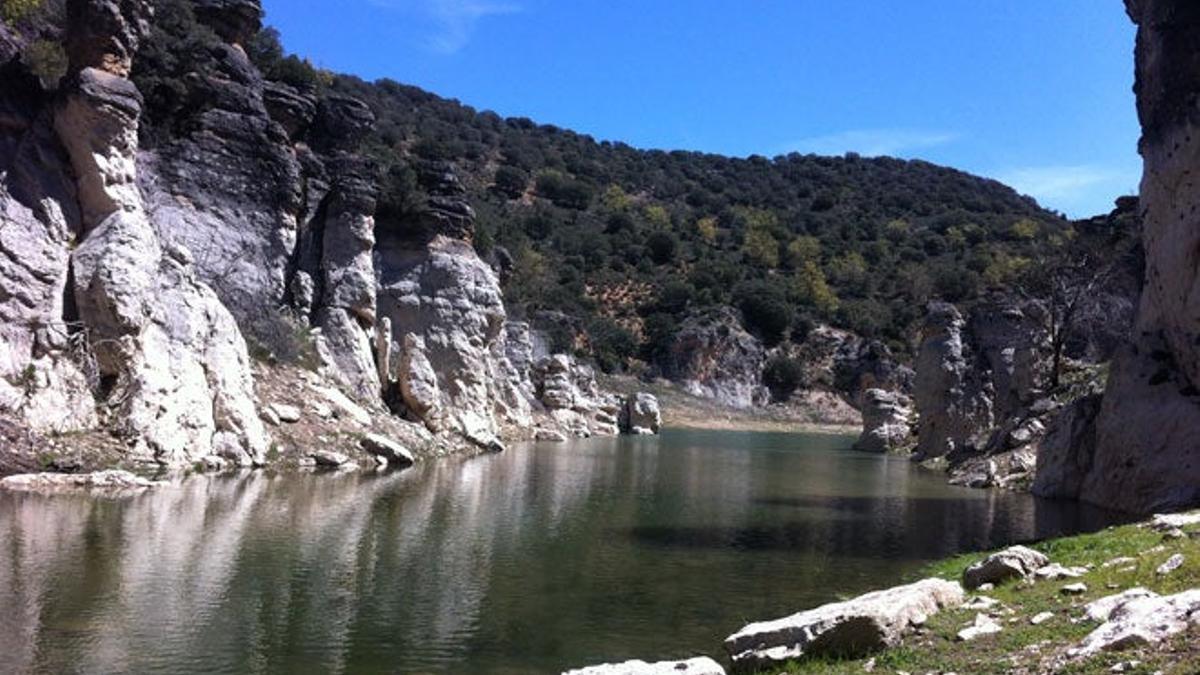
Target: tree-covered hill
(629, 242)
(633, 240)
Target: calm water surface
(538, 559)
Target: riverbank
(1118, 559)
(810, 412)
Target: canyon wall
(141, 266)
(1137, 449)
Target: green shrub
(511, 181)
(612, 344)
(765, 310)
(783, 376)
(47, 60)
(16, 10)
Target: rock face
(714, 357)
(886, 422)
(157, 346)
(847, 629)
(1144, 456)
(950, 398)
(143, 233)
(568, 392)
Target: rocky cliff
(1136, 448)
(149, 236)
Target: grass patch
(1025, 648)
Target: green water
(531, 561)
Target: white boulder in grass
(1141, 622)
(848, 629)
(1015, 562)
(697, 666)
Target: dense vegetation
(645, 237)
(630, 242)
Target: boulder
(847, 629)
(550, 435)
(57, 482)
(983, 625)
(886, 422)
(1165, 522)
(1102, 609)
(641, 415)
(329, 458)
(1056, 572)
(1016, 562)
(396, 455)
(286, 413)
(1173, 563)
(1141, 622)
(697, 666)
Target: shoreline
(810, 412)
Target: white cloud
(453, 21)
(1077, 190)
(873, 142)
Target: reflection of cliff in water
(531, 560)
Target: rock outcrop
(147, 236)
(139, 330)
(640, 415)
(713, 357)
(849, 629)
(887, 418)
(1141, 454)
(569, 395)
(950, 397)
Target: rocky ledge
(104, 481)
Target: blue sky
(1036, 93)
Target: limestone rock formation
(886, 422)
(105, 481)
(1015, 562)
(847, 629)
(1143, 455)
(713, 357)
(841, 362)
(952, 402)
(570, 395)
(140, 331)
(227, 185)
(640, 415)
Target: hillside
(628, 243)
(603, 231)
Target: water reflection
(529, 561)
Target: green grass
(1025, 648)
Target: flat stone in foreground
(847, 629)
(697, 666)
(57, 482)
